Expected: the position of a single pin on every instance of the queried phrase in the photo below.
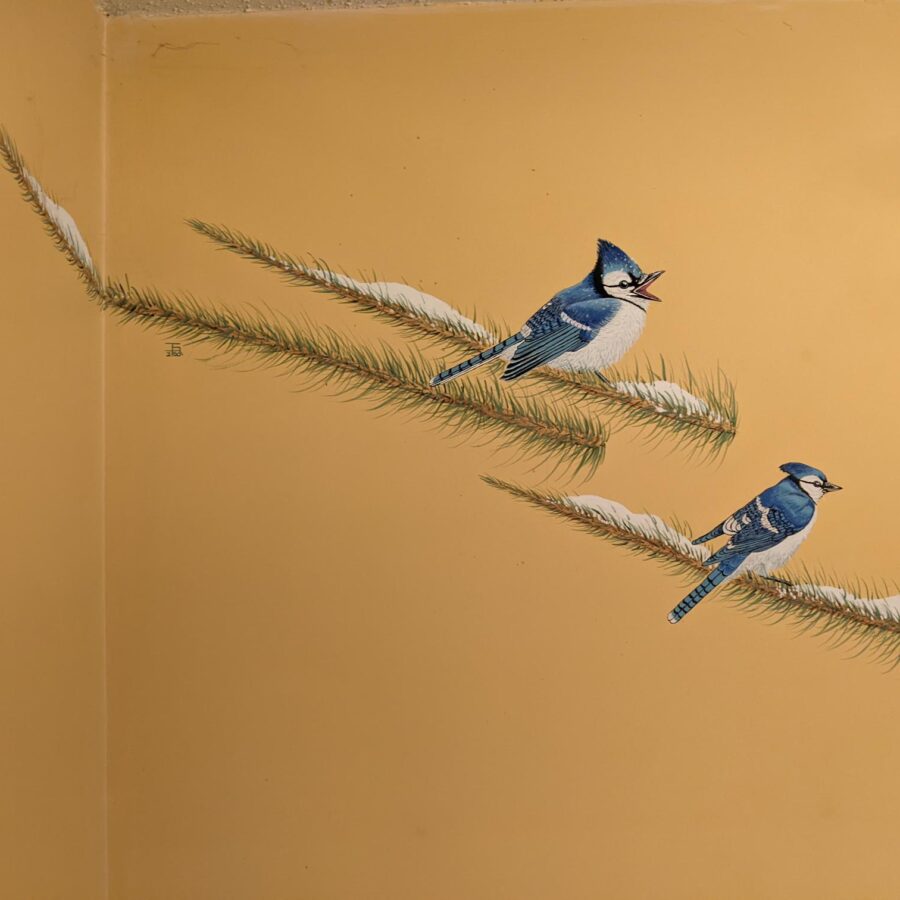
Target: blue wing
(754, 528)
(564, 324)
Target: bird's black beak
(644, 283)
(828, 487)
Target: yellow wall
(343, 667)
(339, 665)
(51, 633)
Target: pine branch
(442, 325)
(845, 615)
(531, 426)
(360, 372)
(58, 223)
(702, 412)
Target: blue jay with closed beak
(588, 326)
(764, 534)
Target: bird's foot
(778, 580)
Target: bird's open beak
(828, 487)
(646, 281)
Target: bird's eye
(624, 284)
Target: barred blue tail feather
(713, 580)
(477, 360)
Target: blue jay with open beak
(764, 534)
(588, 326)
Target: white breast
(615, 339)
(768, 561)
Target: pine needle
(529, 427)
(707, 419)
(846, 616)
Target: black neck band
(635, 305)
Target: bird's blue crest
(801, 470)
(611, 258)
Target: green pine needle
(709, 422)
(845, 615)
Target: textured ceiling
(212, 7)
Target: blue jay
(764, 534)
(588, 326)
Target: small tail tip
(435, 381)
(673, 618)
